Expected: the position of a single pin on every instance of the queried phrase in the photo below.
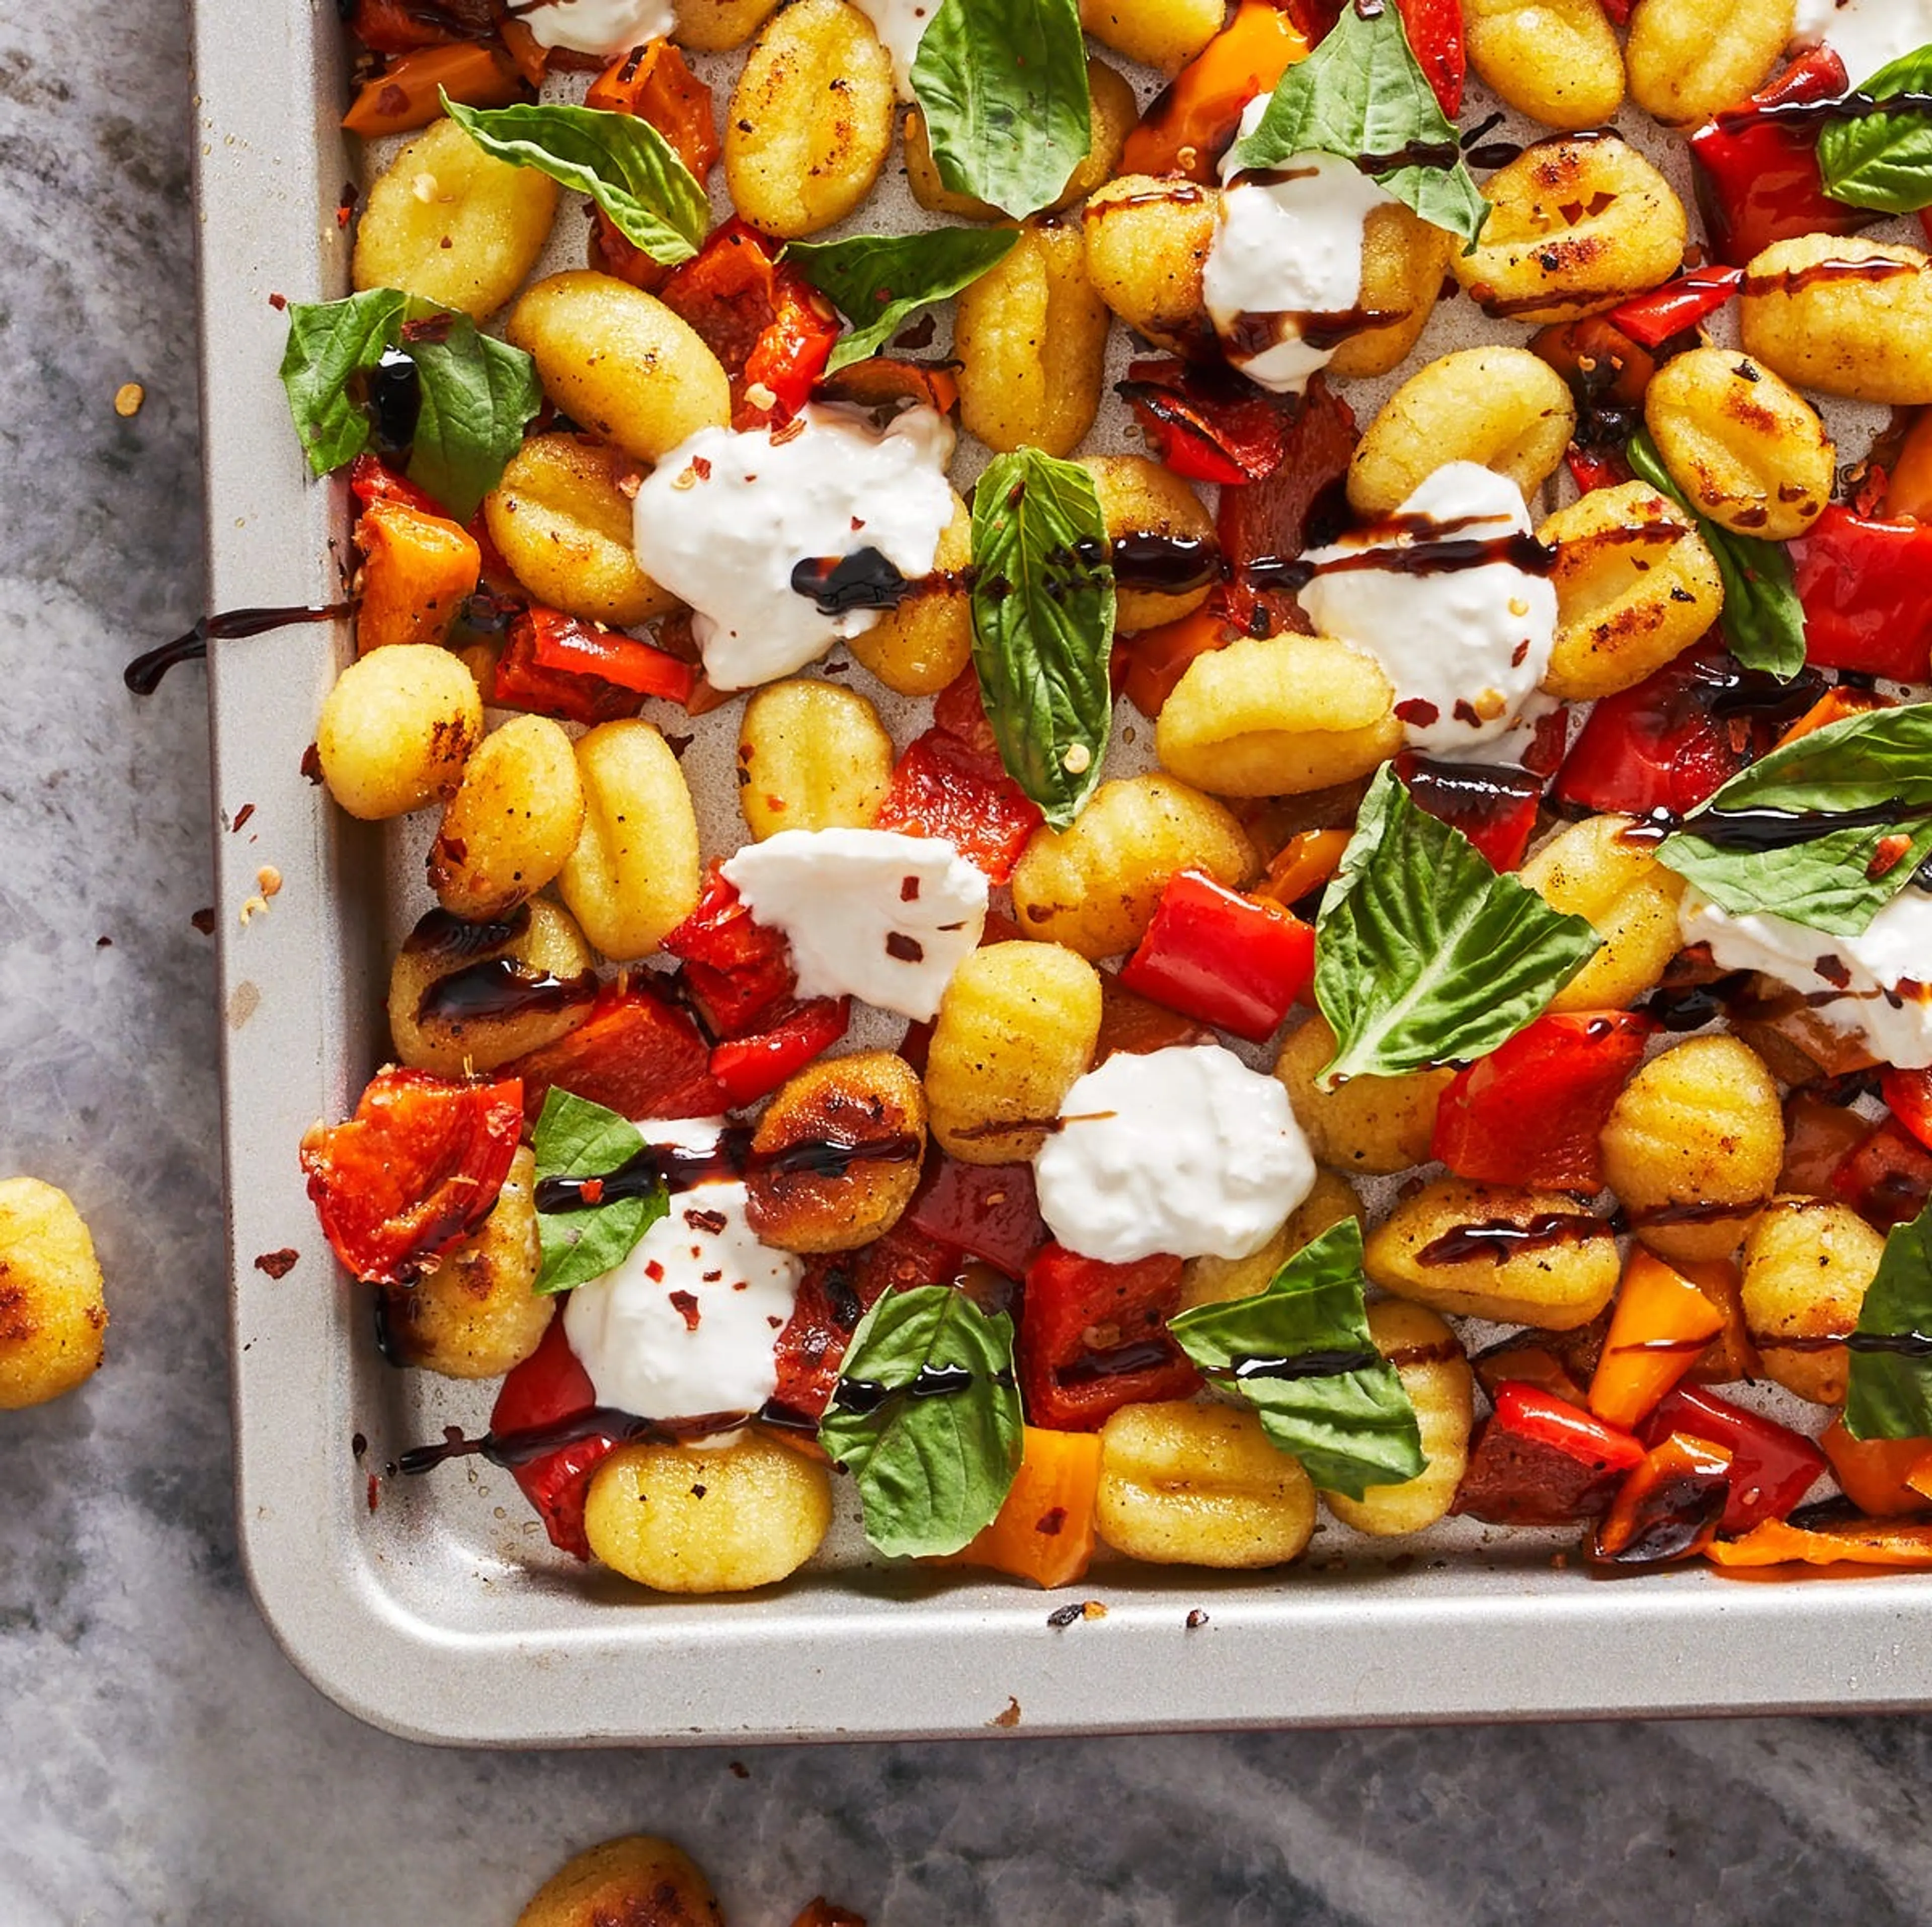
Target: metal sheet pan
(432, 1608)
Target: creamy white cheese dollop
(901, 26)
(1879, 983)
(1466, 648)
(870, 912)
(1285, 253)
(1185, 1151)
(725, 518)
(606, 27)
(1865, 34)
(687, 1325)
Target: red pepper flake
(278, 1264)
(1417, 711)
(592, 1190)
(278, 302)
(654, 1271)
(311, 763)
(712, 1278)
(713, 1221)
(908, 890)
(1196, 1619)
(345, 207)
(203, 920)
(1465, 711)
(906, 949)
(1050, 1523)
(103, 943)
(242, 816)
(700, 466)
(684, 1303)
(375, 1491)
(1889, 854)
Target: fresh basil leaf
(478, 392)
(1763, 621)
(1300, 1354)
(620, 160)
(878, 279)
(1875, 768)
(1362, 95)
(1883, 161)
(1043, 624)
(575, 1138)
(1888, 1391)
(331, 342)
(1002, 85)
(926, 1418)
(1424, 954)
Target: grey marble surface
(160, 1761)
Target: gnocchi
(53, 1315)
(513, 822)
(811, 756)
(396, 730)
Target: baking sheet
(434, 1607)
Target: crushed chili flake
(278, 1264)
(713, 1221)
(907, 950)
(203, 920)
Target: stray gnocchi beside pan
(1251, 925)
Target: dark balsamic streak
(732, 1157)
(143, 675)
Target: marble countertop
(161, 1762)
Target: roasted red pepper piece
(1540, 1461)
(655, 83)
(415, 1170)
(1888, 1177)
(748, 1068)
(548, 1387)
(1667, 1509)
(790, 354)
(944, 787)
(1530, 1113)
(371, 479)
(1231, 960)
(1594, 468)
(1204, 421)
(838, 1289)
(1093, 1337)
(737, 972)
(1772, 1467)
(990, 1211)
(1693, 297)
(1908, 1094)
(1434, 29)
(1493, 804)
(1146, 666)
(1864, 585)
(1757, 176)
(568, 646)
(520, 681)
(395, 26)
(636, 1053)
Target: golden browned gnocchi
(1687, 58)
(1112, 114)
(638, 1880)
(1556, 61)
(810, 122)
(1139, 497)
(1016, 1027)
(811, 756)
(1694, 1147)
(1575, 226)
(1843, 315)
(1186, 1484)
(716, 26)
(469, 998)
(724, 1519)
(1278, 716)
(455, 225)
(619, 361)
(1030, 336)
(1365, 1124)
(512, 823)
(1488, 1251)
(1429, 1359)
(1211, 1280)
(397, 729)
(476, 1314)
(1503, 407)
(1747, 450)
(1635, 585)
(1600, 870)
(633, 873)
(918, 647)
(1807, 1264)
(1093, 886)
(53, 1315)
(1157, 33)
(1147, 241)
(561, 520)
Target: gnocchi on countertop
(1149, 831)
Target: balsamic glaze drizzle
(143, 675)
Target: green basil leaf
(575, 1138)
(620, 160)
(1300, 1354)
(1883, 161)
(1362, 95)
(1043, 624)
(331, 342)
(478, 392)
(1424, 954)
(1888, 1392)
(1877, 765)
(926, 1418)
(1002, 85)
(878, 279)
(1763, 621)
